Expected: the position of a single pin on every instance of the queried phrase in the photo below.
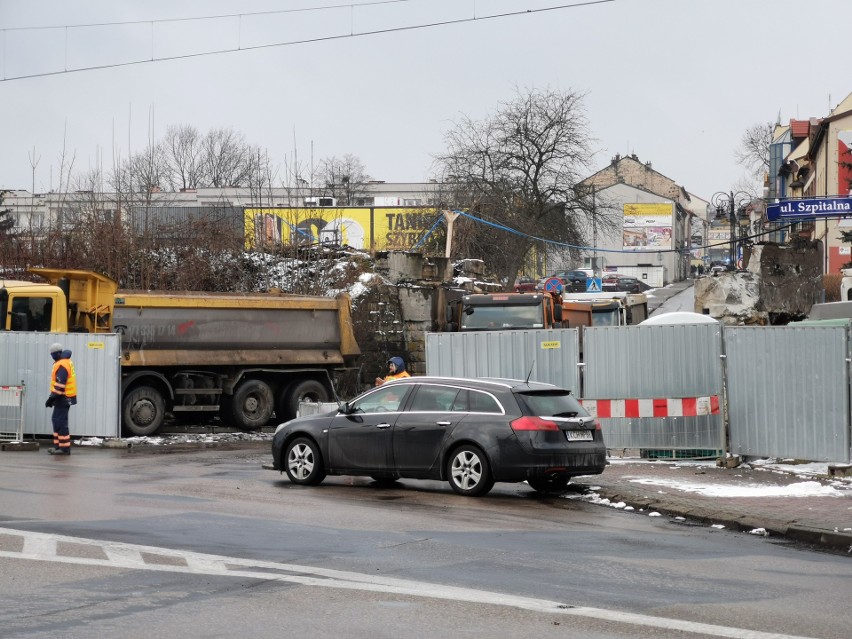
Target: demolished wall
(778, 285)
(402, 302)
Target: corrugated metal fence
(548, 355)
(785, 390)
(661, 363)
(26, 357)
(788, 391)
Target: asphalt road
(111, 543)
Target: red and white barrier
(657, 407)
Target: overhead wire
(239, 48)
(535, 238)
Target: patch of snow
(801, 489)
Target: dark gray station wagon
(469, 432)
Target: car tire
(469, 472)
(550, 485)
(303, 462)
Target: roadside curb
(833, 539)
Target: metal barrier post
(12, 413)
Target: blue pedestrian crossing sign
(593, 285)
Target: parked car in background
(468, 432)
(524, 284)
(622, 283)
(573, 281)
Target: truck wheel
(252, 405)
(143, 411)
(289, 398)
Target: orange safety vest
(397, 376)
(70, 388)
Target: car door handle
(383, 425)
(443, 423)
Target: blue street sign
(593, 285)
(815, 207)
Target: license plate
(579, 435)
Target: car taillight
(597, 425)
(533, 423)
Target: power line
(186, 56)
(85, 25)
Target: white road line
(39, 545)
(121, 554)
(42, 547)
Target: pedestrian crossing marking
(35, 546)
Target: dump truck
(193, 354)
(605, 309)
(504, 311)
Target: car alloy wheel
(468, 471)
(304, 462)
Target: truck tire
(251, 406)
(143, 411)
(289, 398)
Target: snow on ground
(800, 489)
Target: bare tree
(753, 152)
(343, 178)
(518, 171)
(225, 158)
(143, 173)
(182, 149)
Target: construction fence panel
(11, 413)
(657, 388)
(788, 391)
(543, 355)
(25, 357)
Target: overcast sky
(676, 82)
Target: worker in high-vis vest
(396, 370)
(63, 394)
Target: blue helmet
(397, 361)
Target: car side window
(385, 399)
(462, 402)
(433, 398)
(483, 403)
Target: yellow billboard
(368, 228)
(647, 227)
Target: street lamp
(727, 204)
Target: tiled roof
(800, 128)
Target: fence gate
(788, 391)
(657, 388)
(12, 413)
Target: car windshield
(553, 403)
(497, 317)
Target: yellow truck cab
(74, 301)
